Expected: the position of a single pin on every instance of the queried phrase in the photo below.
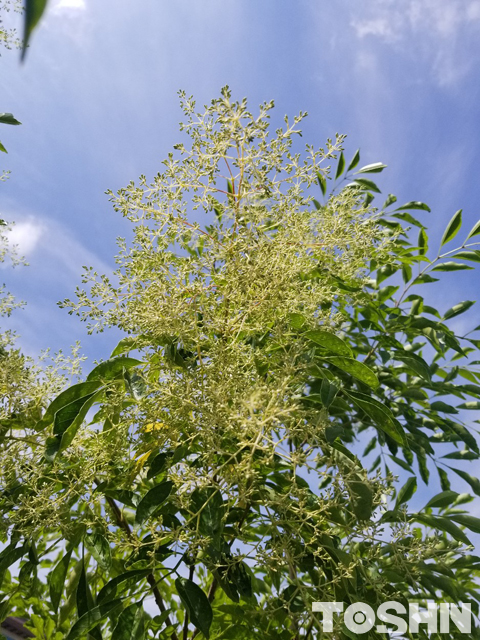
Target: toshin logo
(361, 618)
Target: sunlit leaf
(452, 266)
(329, 341)
(459, 308)
(355, 368)
(112, 368)
(414, 205)
(322, 182)
(354, 161)
(376, 167)
(453, 227)
(475, 230)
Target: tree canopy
(252, 444)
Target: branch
(123, 524)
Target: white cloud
(63, 5)
(25, 236)
(435, 30)
(52, 249)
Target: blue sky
(97, 97)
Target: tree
(213, 463)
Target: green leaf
(402, 463)
(66, 424)
(56, 580)
(355, 368)
(7, 118)
(110, 589)
(9, 556)
(131, 623)
(443, 407)
(422, 465)
(453, 227)
(296, 320)
(152, 501)
(112, 368)
(84, 596)
(332, 432)
(407, 217)
(472, 481)
(330, 342)
(362, 499)
(391, 199)
(474, 256)
(338, 446)
(470, 522)
(406, 273)
(414, 362)
(459, 308)
(316, 204)
(380, 414)
(422, 242)
(92, 618)
(461, 431)
(77, 409)
(366, 184)
(157, 465)
(354, 161)
(2, 148)
(442, 499)
(136, 384)
(376, 167)
(100, 549)
(443, 524)
(472, 404)
(406, 492)
(424, 279)
(33, 12)
(241, 578)
(444, 479)
(461, 455)
(452, 266)
(475, 230)
(414, 204)
(207, 502)
(322, 183)
(328, 392)
(386, 293)
(196, 603)
(126, 344)
(68, 396)
(340, 166)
